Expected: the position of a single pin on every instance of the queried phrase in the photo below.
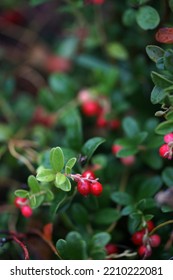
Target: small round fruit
(96, 188)
(114, 124)
(111, 248)
(116, 148)
(128, 161)
(168, 138)
(26, 211)
(83, 187)
(150, 225)
(137, 238)
(19, 201)
(91, 108)
(164, 151)
(155, 240)
(101, 122)
(144, 251)
(88, 174)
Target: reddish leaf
(165, 35)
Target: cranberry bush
(86, 129)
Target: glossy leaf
(147, 17)
(22, 193)
(91, 145)
(164, 127)
(160, 80)
(69, 165)
(57, 159)
(130, 126)
(45, 175)
(167, 176)
(33, 184)
(154, 52)
(73, 248)
(157, 95)
(121, 198)
(106, 216)
(100, 239)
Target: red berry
(128, 161)
(88, 174)
(19, 201)
(55, 63)
(114, 124)
(101, 121)
(26, 211)
(137, 238)
(91, 108)
(116, 148)
(155, 240)
(96, 188)
(111, 249)
(165, 151)
(168, 137)
(144, 251)
(83, 188)
(150, 225)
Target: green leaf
(66, 186)
(33, 184)
(167, 176)
(69, 165)
(49, 196)
(160, 81)
(121, 198)
(5, 132)
(149, 187)
(147, 17)
(117, 50)
(57, 159)
(60, 179)
(79, 214)
(154, 52)
(130, 126)
(164, 127)
(171, 5)
(168, 60)
(45, 175)
(59, 199)
(21, 193)
(157, 95)
(106, 216)
(129, 17)
(127, 152)
(100, 239)
(35, 201)
(128, 210)
(73, 248)
(166, 209)
(134, 222)
(91, 145)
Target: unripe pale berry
(165, 151)
(155, 240)
(128, 161)
(26, 211)
(137, 237)
(83, 187)
(168, 137)
(96, 188)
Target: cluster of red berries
(92, 107)
(95, 2)
(22, 204)
(166, 150)
(88, 184)
(146, 242)
(128, 161)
